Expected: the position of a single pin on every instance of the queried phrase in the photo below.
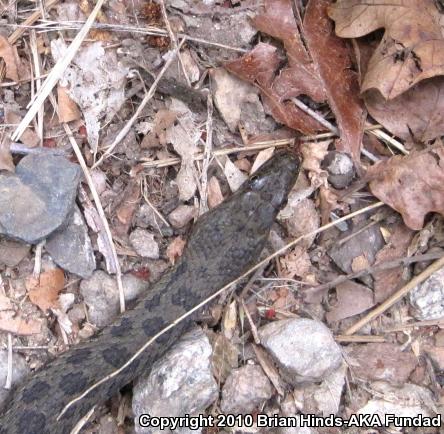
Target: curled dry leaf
(417, 114)
(388, 281)
(322, 72)
(44, 291)
(412, 48)
(6, 162)
(296, 263)
(175, 249)
(215, 196)
(332, 59)
(11, 58)
(68, 110)
(413, 185)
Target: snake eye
(257, 182)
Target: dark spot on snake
(33, 423)
(79, 356)
(73, 383)
(151, 325)
(123, 328)
(38, 389)
(154, 301)
(116, 355)
(184, 296)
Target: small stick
(379, 267)
(257, 341)
(398, 295)
(359, 338)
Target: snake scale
(223, 244)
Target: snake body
(223, 244)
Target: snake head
(275, 178)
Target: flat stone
(180, 383)
(246, 388)
(71, 248)
(144, 243)
(38, 198)
(304, 349)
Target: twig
(8, 382)
(100, 211)
(221, 152)
(124, 131)
(38, 259)
(253, 327)
(56, 73)
(379, 267)
(208, 299)
(173, 40)
(207, 156)
(398, 295)
(359, 338)
(388, 139)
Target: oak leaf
(413, 185)
(412, 48)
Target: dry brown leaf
(332, 58)
(229, 320)
(17, 325)
(11, 58)
(321, 71)
(175, 249)
(412, 48)
(68, 110)
(126, 209)
(296, 263)
(261, 158)
(352, 300)
(413, 185)
(215, 196)
(29, 137)
(416, 115)
(6, 162)
(44, 291)
(388, 281)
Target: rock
(409, 401)
(381, 361)
(71, 248)
(340, 169)
(38, 198)
(179, 383)
(245, 389)
(19, 370)
(101, 295)
(324, 398)
(364, 244)
(144, 244)
(181, 216)
(303, 348)
(427, 298)
(147, 218)
(12, 252)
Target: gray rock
(303, 348)
(366, 243)
(144, 243)
(19, 370)
(427, 298)
(179, 383)
(71, 248)
(101, 295)
(245, 389)
(340, 169)
(38, 198)
(181, 216)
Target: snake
(223, 244)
